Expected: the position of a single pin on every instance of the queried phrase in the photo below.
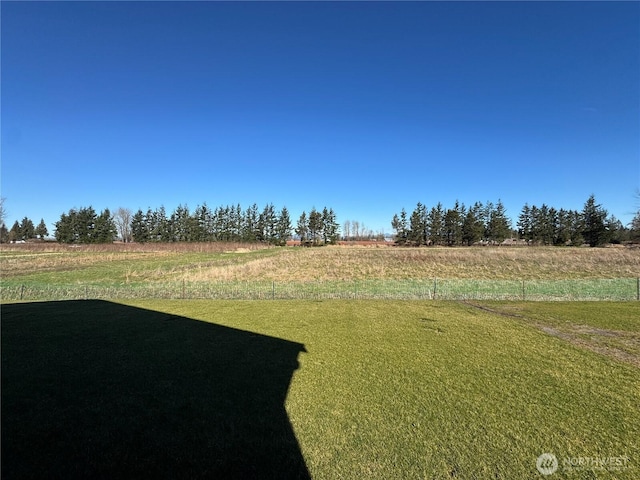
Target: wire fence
(618, 289)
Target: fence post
(273, 290)
(21, 292)
(638, 288)
(86, 292)
(523, 291)
(435, 287)
(183, 289)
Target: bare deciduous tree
(3, 211)
(347, 229)
(356, 229)
(122, 219)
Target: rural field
(320, 387)
(239, 271)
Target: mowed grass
(383, 389)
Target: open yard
(337, 385)
(331, 389)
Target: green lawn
(327, 389)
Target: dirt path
(619, 345)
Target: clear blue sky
(366, 107)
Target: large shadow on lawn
(94, 389)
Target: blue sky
(366, 107)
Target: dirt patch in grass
(620, 345)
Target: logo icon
(547, 463)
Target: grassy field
(243, 271)
(332, 386)
(248, 262)
(331, 389)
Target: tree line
(453, 226)
(224, 223)
(85, 225)
(318, 227)
(592, 225)
(24, 230)
(20, 231)
(459, 225)
(488, 223)
(230, 223)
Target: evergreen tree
(84, 224)
(204, 224)
(330, 226)
(577, 227)
(535, 225)
(223, 227)
(302, 228)
(154, 224)
(453, 221)
(634, 230)
(473, 226)
(399, 224)
(41, 230)
(268, 224)
(484, 214)
(139, 227)
(616, 231)
(417, 234)
(105, 230)
(236, 223)
(180, 223)
(250, 224)
(435, 225)
(64, 229)
(550, 230)
(543, 224)
(27, 229)
(283, 228)
(524, 223)
(79, 226)
(563, 227)
(397, 227)
(594, 216)
(4, 233)
(164, 225)
(226, 223)
(499, 226)
(315, 226)
(14, 233)
(324, 221)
